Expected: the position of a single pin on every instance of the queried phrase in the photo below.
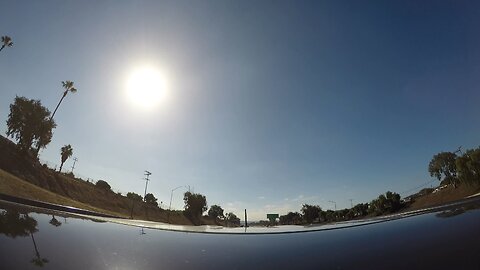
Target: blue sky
(271, 104)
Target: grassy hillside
(446, 195)
(23, 176)
(12, 185)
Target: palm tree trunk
(35, 245)
(58, 105)
(51, 117)
(61, 165)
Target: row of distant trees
(387, 203)
(195, 207)
(451, 168)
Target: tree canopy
(29, 123)
(468, 166)
(195, 204)
(232, 219)
(292, 218)
(66, 151)
(6, 42)
(385, 203)
(150, 199)
(215, 211)
(103, 185)
(443, 167)
(134, 196)
(310, 212)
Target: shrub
(103, 185)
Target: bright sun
(146, 87)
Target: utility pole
(246, 222)
(351, 202)
(74, 161)
(147, 174)
(334, 204)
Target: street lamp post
(170, 205)
(334, 204)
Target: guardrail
(52, 206)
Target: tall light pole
(334, 204)
(75, 159)
(171, 197)
(147, 174)
(351, 202)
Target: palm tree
(68, 85)
(7, 42)
(66, 151)
(37, 261)
(55, 221)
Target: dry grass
(446, 195)
(14, 186)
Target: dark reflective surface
(448, 239)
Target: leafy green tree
(150, 199)
(443, 167)
(6, 42)
(292, 218)
(310, 212)
(195, 204)
(215, 211)
(360, 209)
(377, 206)
(343, 214)
(29, 123)
(134, 196)
(393, 202)
(103, 185)
(468, 167)
(66, 151)
(232, 219)
(384, 204)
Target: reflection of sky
(271, 105)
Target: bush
(103, 185)
(134, 196)
(150, 199)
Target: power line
(334, 204)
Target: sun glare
(146, 87)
